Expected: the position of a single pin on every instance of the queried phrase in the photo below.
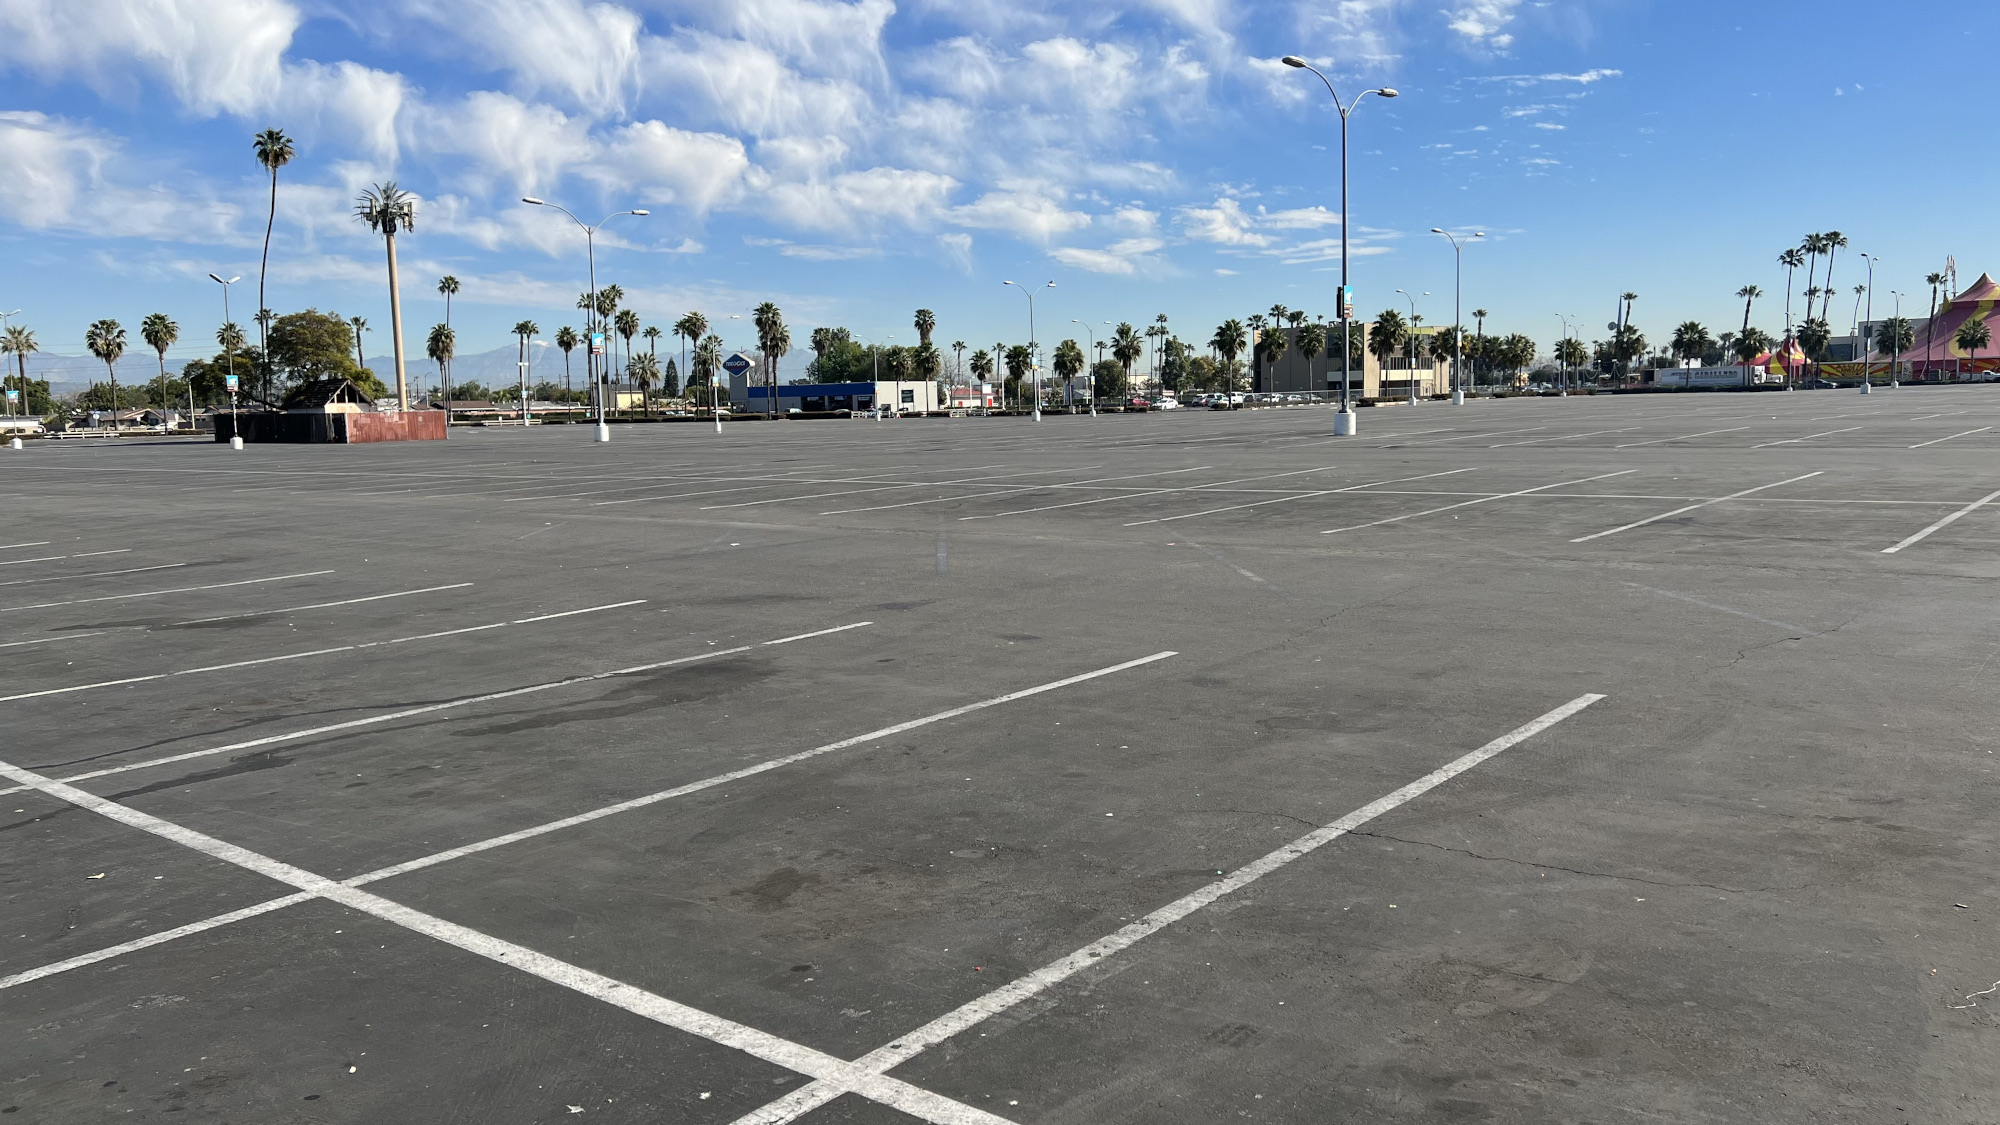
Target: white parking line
(1298, 496)
(1967, 433)
(967, 1016)
(1692, 507)
(1481, 500)
(49, 640)
(177, 590)
(1490, 433)
(1681, 437)
(1943, 523)
(877, 488)
(447, 705)
(1564, 437)
(54, 558)
(17, 546)
(648, 1005)
(1801, 630)
(1015, 491)
(1808, 437)
(91, 574)
(1145, 492)
(314, 652)
(323, 605)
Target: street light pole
(590, 249)
(1867, 367)
(235, 433)
(1091, 374)
(1413, 343)
(1457, 316)
(1896, 341)
(14, 412)
(1343, 422)
(1034, 358)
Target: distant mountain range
(70, 373)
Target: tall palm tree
(1930, 323)
(159, 331)
(1311, 339)
(708, 359)
(982, 366)
(1834, 241)
(106, 341)
(387, 209)
(626, 322)
(439, 346)
(274, 150)
(1478, 349)
(447, 285)
(958, 348)
(652, 335)
(524, 330)
(19, 341)
(566, 339)
(360, 355)
(1749, 293)
(1068, 363)
(1813, 245)
(691, 327)
(1229, 341)
(926, 323)
(1126, 348)
(1791, 259)
(772, 336)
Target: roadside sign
(13, 395)
(1347, 302)
(597, 343)
(231, 381)
(736, 364)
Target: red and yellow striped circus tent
(1787, 356)
(1936, 346)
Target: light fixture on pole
(1896, 339)
(1413, 342)
(1091, 374)
(1562, 351)
(1034, 359)
(1868, 366)
(1457, 316)
(235, 432)
(23, 392)
(1343, 422)
(590, 245)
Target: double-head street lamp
(1457, 317)
(590, 244)
(1562, 350)
(1034, 358)
(1343, 423)
(1867, 367)
(1413, 342)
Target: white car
(1167, 404)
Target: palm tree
(274, 151)
(708, 359)
(1930, 322)
(926, 323)
(524, 331)
(566, 339)
(439, 346)
(360, 325)
(1229, 341)
(652, 335)
(982, 366)
(958, 347)
(1272, 343)
(1791, 259)
(768, 322)
(1386, 337)
(106, 341)
(627, 325)
(1068, 363)
(1478, 350)
(1749, 293)
(1751, 343)
(387, 209)
(447, 285)
(1813, 245)
(1895, 337)
(1126, 348)
(159, 331)
(1834, 241)
(1972, 336)
(690, 328)
(644, 369)
(1311, 340)
(20, 341)
(1691, 340)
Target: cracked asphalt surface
(1753, 883)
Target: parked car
(1167, 404)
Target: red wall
(410, 425)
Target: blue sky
(854, 160)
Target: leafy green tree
(1174, 356)
(311, 347)
(1108, 376)
(165, 392)
(1202, 374)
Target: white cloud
(344, 103)
(1121, 258)
(1303, 218)
(1549, 125)
(1225, 224)
(812, 252)
(57, 179)
(853, 201)
(696, 171)
(587, 53)
(1135, 218)
(957, 247)
(1483, 23)
(499, 137)
(1029, 211)
(218, 56)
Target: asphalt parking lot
(1616, 758)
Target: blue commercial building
(902, 396)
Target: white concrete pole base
(1458, 398)
(236, 442)
(1865, 388)
(15, 444)
(1343, 424)
(603, 432)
